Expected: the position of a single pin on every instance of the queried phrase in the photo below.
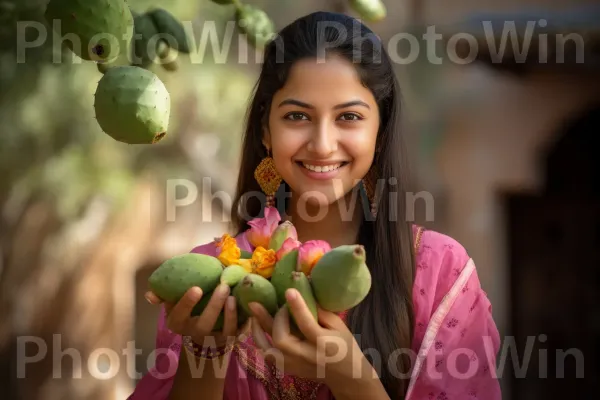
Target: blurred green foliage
(52, 146)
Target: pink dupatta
(455, 339)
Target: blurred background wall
(506, 153)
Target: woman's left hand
(328, 353)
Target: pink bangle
(205, 352)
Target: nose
(324, 139)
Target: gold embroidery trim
(250, 366)
(418, 238)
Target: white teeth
(322, 168)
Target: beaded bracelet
(205, 352)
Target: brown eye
(295, 116)
(350, 117)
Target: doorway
(554, 257)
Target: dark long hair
(384, 320)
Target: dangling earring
(369, 183)
(268, 178)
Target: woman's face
(322, 131)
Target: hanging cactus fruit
(255, 24)
(104, 28)
(167, 24)
(143, 50)
(132, 105)
(370, 10)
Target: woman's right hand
(199, 328)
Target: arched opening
(554, 255)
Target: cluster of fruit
(111, 34)
(334, 279)
(132, 104)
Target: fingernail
(196, 293)
(148, 298)
(223, 290)
(290, 294)
(252, 307)
(231, 303)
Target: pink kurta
(455, 338)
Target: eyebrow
(306, 105)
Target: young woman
(325, 118)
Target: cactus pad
(170, 28)
(142, 53)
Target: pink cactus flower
(309, 253)
(288, 245)
(261, 229)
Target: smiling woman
(321, 126)
(323, 129)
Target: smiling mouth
(322, 168)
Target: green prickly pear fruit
(171, 29)
(370, 10)
(132, 105)
(178, 274)
(341, 278)
(254, 288)
(299, 281)
(145, 42)
(280, 278)
(102, 28)
(283, 231)
(246, 255)
(255, 24)
(233, 274)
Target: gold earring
(268, 178)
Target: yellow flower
(230, 252)
(263, 261)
